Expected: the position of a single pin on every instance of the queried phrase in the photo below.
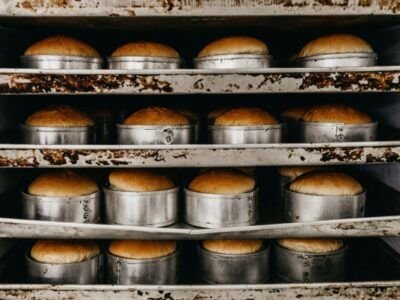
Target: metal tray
(113, 156)
(189, 81)
(362, 227)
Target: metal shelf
(353, 290)
(191, 81)
(114, 156)
(196, 8)
(362, 227)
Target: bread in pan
(234, 45)
(141, 249)
(59, 116)
(139, 180)
(222, 181)
(245, 116)
(335, 44)
(63, 183)
(316, 246)
(62, 45)
(233, 246)
(326, 183)
(64, 251)
(145, 49)
(336, 113)
(157, 116)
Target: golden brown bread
(64, 251)
(233, 246)
(64, 183)
(294, 113)
(222, 181)
(156, 116)
(295, 171)
(146, 49)
(336, 113)
(326, 183)
(245, 117)
(215, 113)
(335, 44)
(59, 116)
(139, 180)
(312, 245)
(135, 249)
(62, 45)
(234, 45)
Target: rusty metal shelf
(362, 227)
(94, 156)
(196, 8)
(191, 81)
(347, 290)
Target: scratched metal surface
(189, 81)
(94, 156)
(196, 7)
(355, 290)
(362, 227)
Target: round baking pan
(316, 132)
(58, 62)
(264, 134)
(155, 135)
(304, 267)
(77, 209)
(218, 268)
(57, 135)
(339, 60)
(160, 270)
(143, 62)
(89, 271)
(300, 207)
(221, 210)
(153, 209)
(234, 61)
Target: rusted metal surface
(195, 7)
(372, 79)
(113, 156)
(363, 227)
(355, 290)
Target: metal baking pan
(153, 209)
(296, 266)
(347, 60)
(317, 132)
(39, 135)
(142, 63)
(78, 209)
(58, 62)
(245, 134)
(300, 207)
(155, 135)
(221, 210)
(157, 271)
(234, 61)
(218, 268)
(89, 271)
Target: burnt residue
(63, 157)
(338, 154)
(30, 162)
(388, 156)
(70, 83)
(352, 81)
